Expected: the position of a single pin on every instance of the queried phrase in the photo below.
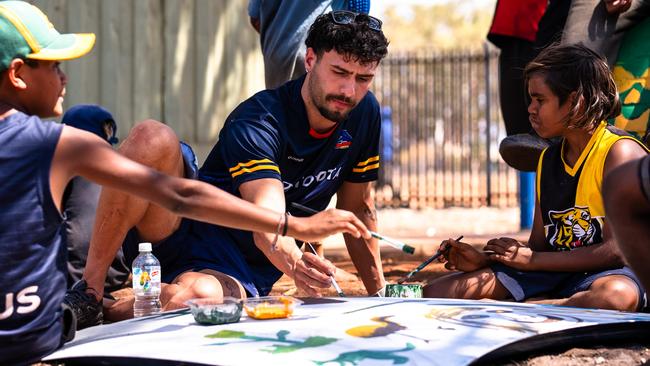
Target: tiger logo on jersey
(573, 228)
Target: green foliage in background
(455, 25)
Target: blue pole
(526, 199)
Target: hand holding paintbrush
(458, 256)
(392, 242)
(442, 250)
(334, 283)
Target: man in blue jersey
(39, 158)
(304, 142)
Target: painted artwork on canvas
(354, 331)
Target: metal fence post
(526, 199)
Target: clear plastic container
(215, 310)
(270, 307)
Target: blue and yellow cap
(25, 32)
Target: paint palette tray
(215, 310)
(270, 307)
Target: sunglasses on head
(349, 17)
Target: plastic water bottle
(146, 282)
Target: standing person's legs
(283, 30)
(521, 148)
(590, 23)
(514, 56)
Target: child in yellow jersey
(571, 257)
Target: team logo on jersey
(344, 141)
(573, 228)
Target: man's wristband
(286, 224)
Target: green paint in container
(408, 290)
(215, 310)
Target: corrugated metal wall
(187, 63)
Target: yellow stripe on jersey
(370, 160)
(366, 168)
(249, 163)
(256, 168)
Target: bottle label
(146, 280)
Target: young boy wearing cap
(38, 159)
(80, 200)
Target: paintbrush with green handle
(440, 252)
(394, 243)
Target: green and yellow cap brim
(27, 33)
(66, 47)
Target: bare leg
(207, 283)
(188, 285)
(609, 292)
(479, 284)
(153, 144)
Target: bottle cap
(144, 247)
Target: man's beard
(331, 115)
(334, 115)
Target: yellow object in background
(632, 77)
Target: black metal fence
(440, 131)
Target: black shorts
(523, 285)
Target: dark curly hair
(355, 41)
(576, 68)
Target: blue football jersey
(268, 136)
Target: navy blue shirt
(268, 136)
(32, 254)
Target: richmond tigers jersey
(570, 198)
(268, 136)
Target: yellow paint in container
(270, 307)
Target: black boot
(85, 307)
(522, 151)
